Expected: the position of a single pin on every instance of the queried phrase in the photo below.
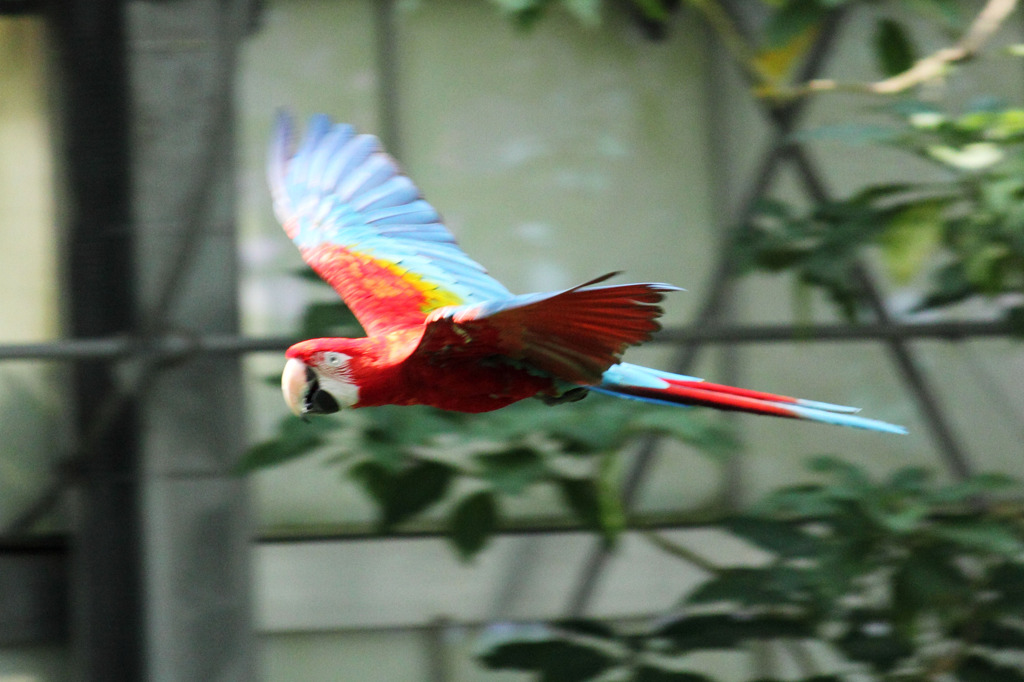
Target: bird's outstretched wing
(362, 225)
(574, 335)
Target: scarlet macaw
(441, 331)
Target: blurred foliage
(526, 13)
(900, 579)
(784, 19)
(965, 233)
(411, 459)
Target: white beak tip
(293, 385)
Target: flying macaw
(443, 332)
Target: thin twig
(989, 20)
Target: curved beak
(302, 391)
(293, 385)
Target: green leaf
(513, 469)
(755, 587)
(544, 650)
(525, 13)
(928, 579)
(873, 639)
(1009, 124)
(966, 490)
(472, 522)
(1007, 580)
(585, 626)
(782, 538)
(910, 480)
(977, 668)
(588, 12)
(375, 479)
(406, 493)
(984, 267)
(893, 50)
(596, 502)
(792, 19)
(648, 673)
(981, 535)
(653, 10)
(389, 434)
(974, 156)
(737, 585)
(950, 285)
(994, 634)
(582, 496)
(717, 440)
(801, 501)
(850, 482)
(1015, 319)
(911, 237)
(601, 425)
(295, 438)
(902, 520)
(848, 556)
(726, 631)
(613, 515)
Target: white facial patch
(335, 377)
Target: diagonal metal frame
(784, 119)
(914, 378)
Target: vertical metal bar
(89, 38)
(439, 667)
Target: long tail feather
(640, 383)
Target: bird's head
(317, 379)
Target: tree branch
(988, 21)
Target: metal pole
(172, 347)
(90, 39)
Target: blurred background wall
(555, 155)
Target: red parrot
(443, 332)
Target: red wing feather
(574, 334)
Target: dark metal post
(89, 41)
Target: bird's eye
(334, 359)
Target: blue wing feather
(323, 164)
(341, 189)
